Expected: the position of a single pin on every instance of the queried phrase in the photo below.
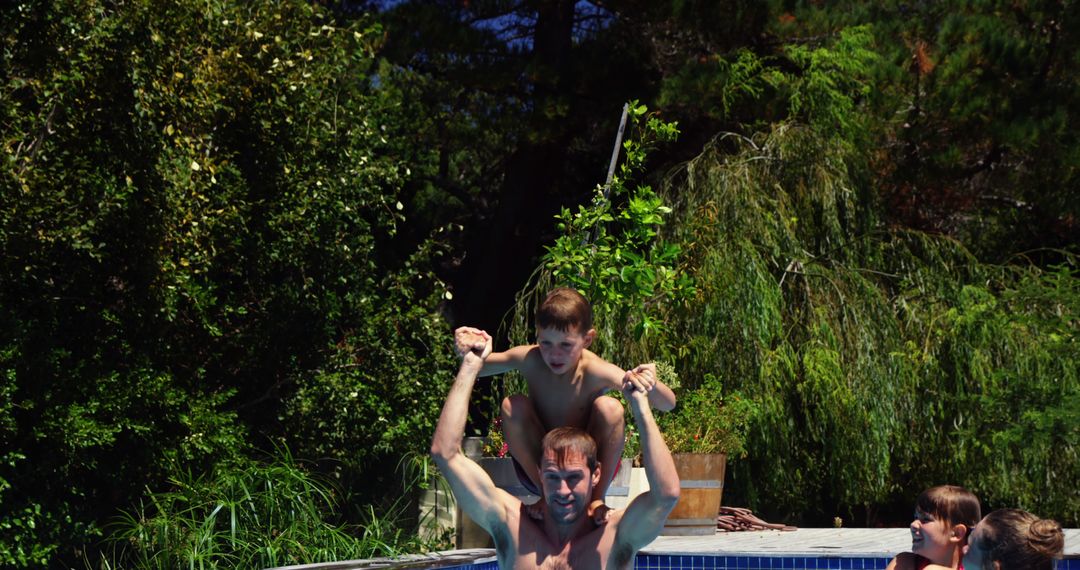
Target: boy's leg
(607, 426)
(524, 434)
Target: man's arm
(645, 517)
(473, 488)
(496, 362)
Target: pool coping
(807, 542)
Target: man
(566, 537)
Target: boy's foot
(536, 510)
(599, 512)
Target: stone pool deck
(742, 549)
(828, 542)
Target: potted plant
(702, 431)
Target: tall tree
(534, 105)
(198, 201)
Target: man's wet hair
(566, 440)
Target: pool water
(701, 562)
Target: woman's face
(975, 557)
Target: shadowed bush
(251, 516)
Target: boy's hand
(536, 510)
(472, 340)
(633, 388)
(643, 377)
(599, 512)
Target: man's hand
(634, 390)
(642, 378)
(472, 340)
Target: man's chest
(592, 551)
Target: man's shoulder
(622, 551)
(506, 528)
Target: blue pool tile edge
(728, 562)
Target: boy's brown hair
(566, 439)
(564, 309)
(956, 505)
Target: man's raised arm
(496, 362)
(645, 517)
(475, 492)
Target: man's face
(567, 485)
(561, 350)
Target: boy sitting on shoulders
(566, 384)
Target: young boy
(566, 384)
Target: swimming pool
(805, 549)
(696, 562)
(703, 562)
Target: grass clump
(250, 516)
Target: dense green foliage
(854, 337)
(817, 300)
(610, 249)
(881, 363)
(708, 419)
(884, 360)
(199, 222)
(252, 516)
(225, 225)
(889, 360)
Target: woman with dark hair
(1012, 539)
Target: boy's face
(561, 350)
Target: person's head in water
(568, 472)
(564, 328)
(1012, 539)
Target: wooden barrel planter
(701, 481)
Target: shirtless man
(568, 471)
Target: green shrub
(199, 213)
(880, 361)
(249, 516)
(706, 420)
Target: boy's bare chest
(563, 402)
